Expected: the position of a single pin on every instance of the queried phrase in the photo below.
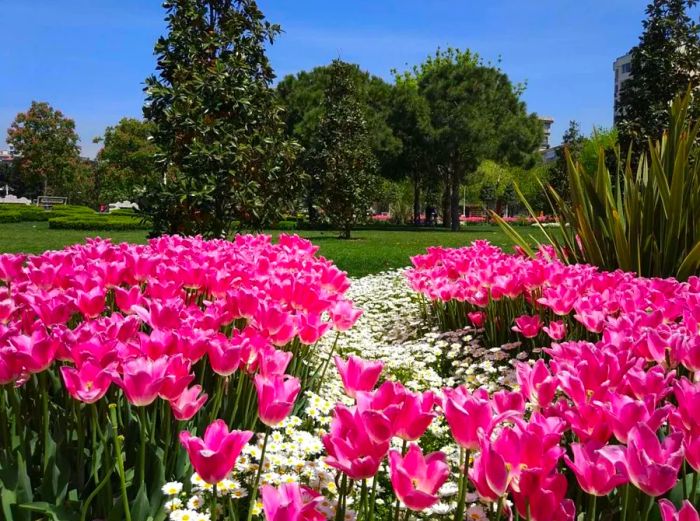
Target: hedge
(14, 213)
(97, 222)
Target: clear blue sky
(89, 57)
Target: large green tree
(126, 160)
(344, 164)
(572, 143)
(665, 63)
(476, 113)
(217, 121)
(46, 145)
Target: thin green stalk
(213, 509)
(499, 508)
(650, 505)
(44, 419)
(86, 504)
(461, 502)
(327, 362)
(120, 460)
(363, 499)
(693, 492)
(372, 498)
(254, 491)
(625, 502)
(342, 498)
(142, 445)
(592, 507)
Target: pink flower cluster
(619, 377)
(142, 316)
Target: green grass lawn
(369, 251)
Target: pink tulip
(350, 449)
(527, 326)
(344, 315)
(91, 303)
(10, 366)
(276, 396)
(358, 374)
(652, 465)
(416, 478)
(669, 513)
(143, 378)
(215, 456)
(468, 415)
(35, 352)
(90, 382)
(477, 318)
(536, 382)
(543, 497)
(380, 410)
(556, 330)
(291, 502)
(598, 470)
(177, 378)
(10, 266)
(508, 401)
(273, 361)
(226, 355)
(415, 415)
(189, 402)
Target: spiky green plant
(645, 220)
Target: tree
(665, 63)
(342, 154)
(572, 142)
(126, 159)
(217, 122)
(46, 147)
(302, 95)
(476, 114)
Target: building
(547, 123)
(623, 71)
(6, 156)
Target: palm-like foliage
(645, 221)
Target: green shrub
(285, 226)
(97, 222)
(129, 212)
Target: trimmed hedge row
(97, 222)
(15, 213)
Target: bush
(14, 213)
(285, 226)
(97, 222)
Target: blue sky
(89, 57)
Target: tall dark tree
(302, 95)
(46, 145)
(342, 154)
(224, 156)
(572, 142)
(665, 63)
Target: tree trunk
(416, 200)
(454, 201)
(446, 205)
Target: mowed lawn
(369, 251)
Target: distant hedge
(97, 222)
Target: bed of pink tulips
(606, 422)
(108, 351)
(123, 367)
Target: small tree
(572, 142)
(46, 146)
(664, 64)
(217, 122)
(343, 153)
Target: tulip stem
(142, 446)
(327, 362)
(499, 509)
(254, 491)
(44, 419)
(464, 461)
(650, 505)
(120, 461)
(625, 502)
(212, 509)
(592, 506)
(695, 487)
(372, 498)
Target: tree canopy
(46, 145)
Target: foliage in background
(125, 161)
(344, 165)
(664, 64)
(46, 144)
(572, 141)
(649, 221)
(218, 123)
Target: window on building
(626, 68)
